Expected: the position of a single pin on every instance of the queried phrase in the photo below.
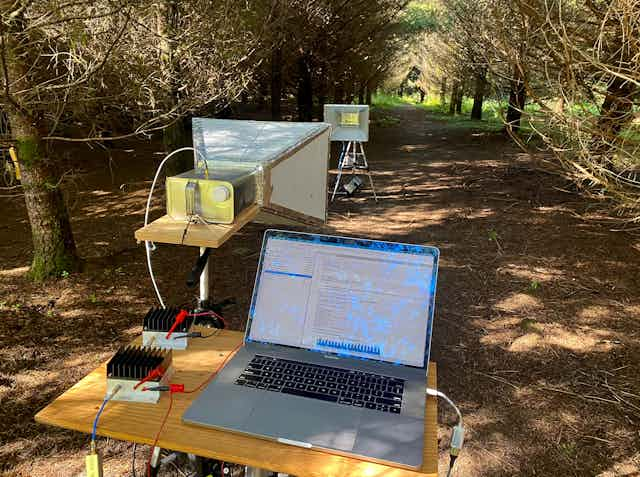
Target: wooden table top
(179, 232)
(138, 422)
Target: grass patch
(491, 111)
(388, 101)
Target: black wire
(198, 335)
(133, 460)
(186, 229)
(452, 461)
(215, 333)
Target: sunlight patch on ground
(71, 463)
(632, 312)
(579, 340)
(478, 213)
(488, 163)
(132, 332)
(594, 314)
(402, 219)
(40, 378)
(548, 422)
(130, 204)
(495, 456)
(628, 468)
(519, 302)
(553, 209)
(14, 272)
(414, 147)
(541, 274)
(520, 334)
(83, 359)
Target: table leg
(204, 283)
(154, 465)
(255, 472)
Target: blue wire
(95, 421)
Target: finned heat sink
(135, 363)
(162, 319)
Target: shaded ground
(537, 323)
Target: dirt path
(538, 314)
(537, 321)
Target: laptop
(336, 349)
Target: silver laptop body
(344, 312)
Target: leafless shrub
(585, 61)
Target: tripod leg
(366, 165)
(341, 157)
(340, 164)
(372, 188)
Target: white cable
(457, 435)
(440, 394)
(148, 245)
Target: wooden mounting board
(136, 422)
(167, 230)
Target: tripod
(352, 157)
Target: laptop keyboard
(350, 388)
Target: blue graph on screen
(342, 345)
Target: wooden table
(136, 422)
(180, 232)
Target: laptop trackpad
(306, 420)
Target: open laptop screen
(354, 297)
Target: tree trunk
(305, 89)
(615, 112)
(322, 88)
(478, 95)
(422, 95)
(338, 92)
(361, 91)
(348, 92)
(517, 100)
(369, 93)
(454, 97)
(54, 250)
(443, 92)
(174, 136)
(276, 84)
(459, 98)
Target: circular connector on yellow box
(220, 194)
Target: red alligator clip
(155, 373)
(180, 317)
(172, 388)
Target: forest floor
(537, 324)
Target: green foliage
(387, 101)
(419, 17)
(534, 286)
(53, 265)
(492, 110)
(529, 325)
(28, 149)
